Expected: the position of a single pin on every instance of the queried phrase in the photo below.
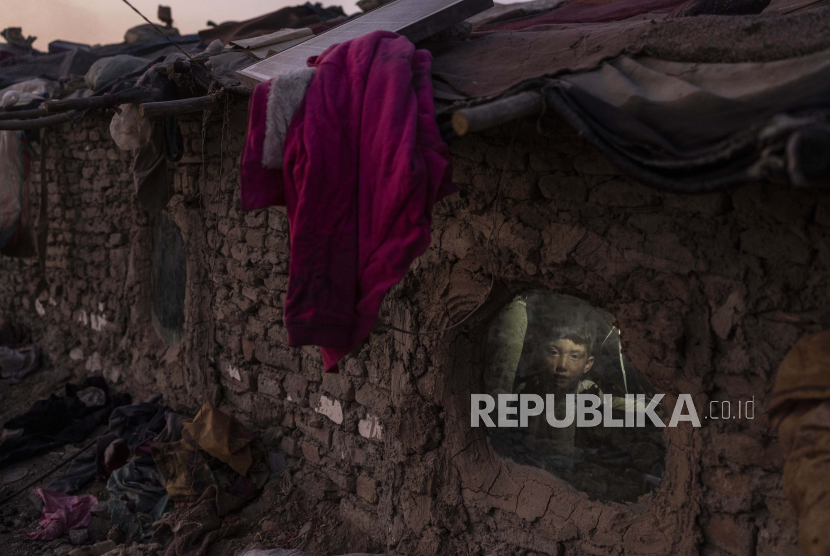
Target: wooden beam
(24, 114)
(173, 107)
(103, 101)
(20, 125)
(479, 118)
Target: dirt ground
(283, 516)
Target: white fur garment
(286, 93)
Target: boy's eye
(575, 356)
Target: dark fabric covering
(720, 7)
(50, 66)
(307, 15)
(138, 423)
(152, 48)
(57, 421)
(152, 185)
(134, 424)
(674, 109)
(140, 483)
(81, 472)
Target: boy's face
(567, 362)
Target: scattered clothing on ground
(17, 364)
(192, 531)
(222, 437)
(81, 472)
(62, 513)
(139, 484)
(56, 421)
(184, 471)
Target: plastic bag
(129, 130)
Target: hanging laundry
(364, 163)
(800, 411)
(62, 513)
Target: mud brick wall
(710, 292)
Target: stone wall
(710, 292)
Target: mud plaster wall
(710, 292)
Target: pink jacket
(364, 164)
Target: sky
(106, 21)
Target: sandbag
(109, 69)
(148, 32)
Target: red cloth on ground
(62, 513)
(364, 164)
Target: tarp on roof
(49, 66)
(688, 104)
(307, 15)
(158, 46)
(694, 127)
(588, 11)
(680, 109)
(492, 63)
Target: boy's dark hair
(551, 318)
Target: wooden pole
(37, 123)
(173, 107)
(24, 114)
(478, 118)
(103, 101)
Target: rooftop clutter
(646, 89)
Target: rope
(52, 470)
(157, 29)
(493, 232)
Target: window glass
(546, 344)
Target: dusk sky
(105, 21)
